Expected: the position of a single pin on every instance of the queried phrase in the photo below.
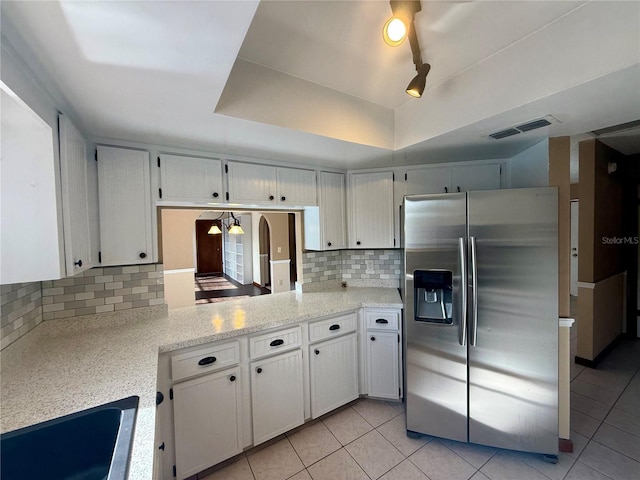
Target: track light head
(416, 86)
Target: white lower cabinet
(207, 421)
(277, 395)
(382, 364)
(334, 373)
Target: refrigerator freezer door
(513, 366)
(435, 350)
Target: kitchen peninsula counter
(63, 366)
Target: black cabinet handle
(277, 342)
(271, 197)
(382, 320)
(143, 255)
(358, 242)
(316, 351)
(328, 244)
(283, 198)
(159, 398)
(458, 188)
(258, 370)
(373, 339)
(446, 190)
(215, 194)
(207, 361)
(232, 378)
(78, 263)
(335, 326)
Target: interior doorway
(574, 249)
(208, 248)
(265, 253)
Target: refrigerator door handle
(462, 324)
(473, 331)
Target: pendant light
(234, 227)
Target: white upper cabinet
(428, 180)
(190, 179)
(251, 183)
(75, 199)
(332, 211)
(371, 210)
(475, 177)
(125, 206)
(296, 186)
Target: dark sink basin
(91, 444)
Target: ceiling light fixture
(234, 227)
(397, 28)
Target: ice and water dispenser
(433, 291)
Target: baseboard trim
(565, 445)
(256, 284)
(605, 351)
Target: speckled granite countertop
(63, 366)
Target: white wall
(531, 167)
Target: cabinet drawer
(382, 319)
(268, 343)
(203, 360)
(332, 327)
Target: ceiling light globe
(394, 32)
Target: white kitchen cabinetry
(75, 199)
(332, 211)
(475, 177)
(277, 395)
(428, 180)
(207, 421)
(371, 210)
(125, 206)
(334, 373)
(383, 361)
(251, 183)
(190, 179)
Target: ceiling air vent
(504, 133)
(524, 127)
(617, 128)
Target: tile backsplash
(103, 289)
(20, 310)
(356, 267)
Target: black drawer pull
(316, 351)
(277, 342)
(382, 320)
(258, 370)
(207, 361)
(373, 339)
(232, 378)
(335, 326)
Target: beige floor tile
(476, 455)
(479, 476)
(376, 412)
(630, 399)
(395, 430)
(580, 471)
(609, 462)
(606, 395)
(303, 475)
(239, 470)
(588, 406)
(404, 471)
(440, 463)
(337, 466)
(374, 454)
(313, 443)
(276, 462)
(626, 421)
(504, 466)
(618, 440)
(576, 370)
(399, 406)
(347, 425)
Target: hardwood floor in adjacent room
(219, 288)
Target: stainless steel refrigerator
(481, 317)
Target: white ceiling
(312, 81)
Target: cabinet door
(191, 179)
(75, 199)
(277, 395)
(423, 181)
(332, 211)
(475, 177)
(125, 206)
(207, 421)
(250, 183)
(334, 373)
(383, 369)
(296, 186)
(371, 222)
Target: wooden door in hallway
(208, 247)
